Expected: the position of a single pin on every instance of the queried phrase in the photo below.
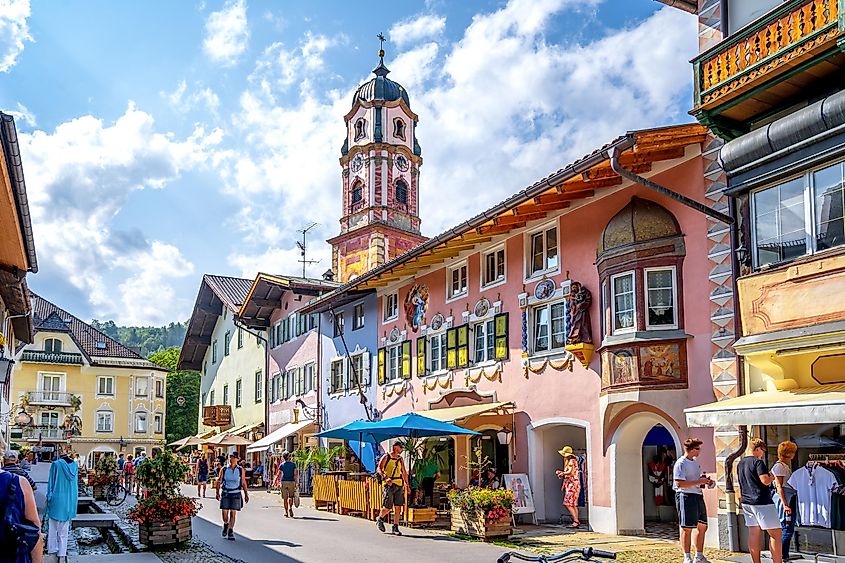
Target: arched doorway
(659, 455)
(632, 494)
(545, 438)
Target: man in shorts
(391, 468)
(287, 470)
(689, 482)
(232, 481)
(757, 504)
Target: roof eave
(11, 150)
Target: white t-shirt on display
(813, 484)
(686, 469)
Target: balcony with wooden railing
(768, 62)
(217, 415)
(45, 357)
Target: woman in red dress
(571, 484)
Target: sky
(164, 140)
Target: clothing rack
(826, 457)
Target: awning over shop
(807, 405)
(453, 414)
(237, 431)
(278, 435)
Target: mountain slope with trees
(147, 339)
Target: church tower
(380, 163)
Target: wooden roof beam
(259, 302)
(198, 340)
(558, 199)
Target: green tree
(168, 358)
(181, 419)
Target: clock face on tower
(357, 162)
(402, 163)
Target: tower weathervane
(381, 40)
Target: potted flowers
(164, 514)
(483, 513)
(104, 473)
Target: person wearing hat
(391, 469)
(571, 484)
(10, 464)
(232, 480)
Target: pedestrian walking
(288, 472)
(757, 504)
(232, 481)
(128, 474)
(395, 483)
(571, 486)
(120, 463)
(10, 464)
(142, 457)
(784, 496)
(62, 497)
(689, 482)
(201, 470)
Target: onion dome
(381, 88)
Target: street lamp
(504, 435)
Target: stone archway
(625, 452)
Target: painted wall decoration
(623, 366)
(544, 289)
(416, 304)
(437, 321)
(580, 325)
(661, 362)
(482, 307)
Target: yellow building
(17, 257)
(77, 389)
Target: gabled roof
(215, 292)
(98, 348)
(265, 296)
(571, 185)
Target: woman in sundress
(571, 484)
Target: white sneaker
(699, 558)
(687, 559)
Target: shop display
(820, 487)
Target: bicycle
(115, 493)
(585, 554)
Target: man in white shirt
(689, 481)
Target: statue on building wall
(580, 328)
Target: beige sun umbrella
(227, 440)
(188, 441)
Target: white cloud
(183, 102)
(14, 31)
(417, 28)
(22, 115)
(147, 296)
(79, 177)
(227, 33)
(278, 68)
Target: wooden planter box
(422, 515)
(99, 492)
(154, 534)
(474, 524)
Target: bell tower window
(360, 129)
(357, 195)
(402, 192)
(399, 128)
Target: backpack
(17, 535)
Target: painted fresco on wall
(661, 362)
(416, 304)
(623, 366)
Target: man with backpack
(128, 474)
(232, 481)
(20, 527)
(391, 468)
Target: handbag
(296, 497)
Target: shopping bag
(296, 497)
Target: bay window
(660, 298)
(623, 303)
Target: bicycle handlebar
(585, 553)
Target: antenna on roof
(303, 248)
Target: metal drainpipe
(730, 495)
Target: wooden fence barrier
(325, 491)
(353, 496)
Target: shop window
(549, 327)
(105, 421)
(391, 306)
(623, 302)
(401, 192)
(493, 265)
(661, 312)
(338, 324)
(542, 252)
(358, 316)
(457, 280)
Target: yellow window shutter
(452, 348)
(421, 356)
(463, 345)
(381, 366)
(406, 359)
(502, 348)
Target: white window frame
(535, 308)
(529, 251)
(239, 393)
(100, 380)
(429, 349)
(138, 380)
(612, 296)
(362, 372)
(158, 423)
(211, 397)
(226, 394)
(498, 280)
(137, 419)
(159, 383)
(339, 362)
(385, 302)
(49, 415)
(673, 270)
(51, 375)
(358, 321)
(452, 295)
(104, 415)
(51, 339)
(489, 324)
(259, 386)
(393, 354)
(309, 374)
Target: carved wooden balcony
(764, 65)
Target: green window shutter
(502, 348)
(381, 366)
(452, 348)
(463, 345)
(421, 356)
(406, 359)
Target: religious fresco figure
(580, 329)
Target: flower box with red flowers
(482, 513)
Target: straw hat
(566, 451)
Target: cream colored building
(74, 388)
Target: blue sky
(164, 140)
